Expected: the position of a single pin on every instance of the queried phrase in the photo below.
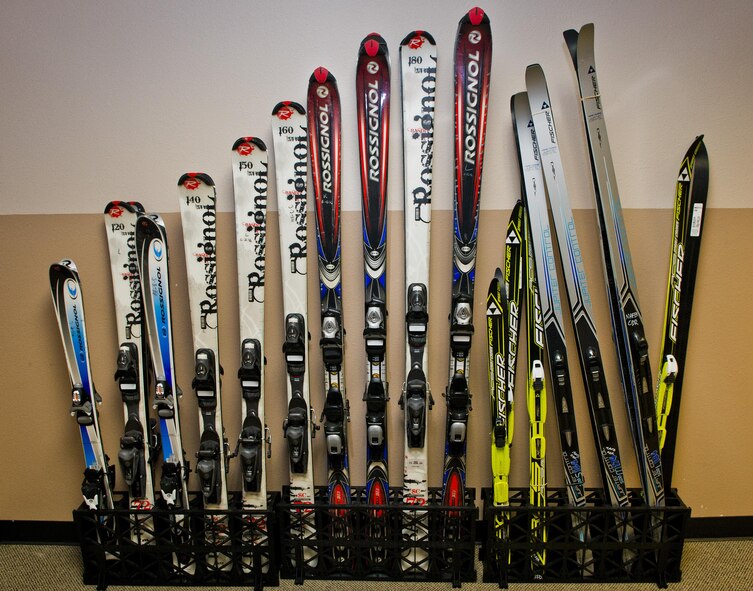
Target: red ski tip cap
(476, 15)
(321, 74)
(371, 47)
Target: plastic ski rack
(190, 547)
(392, 542)
(640, 544)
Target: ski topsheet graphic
(418, 75)
(250, 183)
(152, 255)
(139, 440)
(198, 205)
(290, 138)
(373, 111)
(324, 125)
(690, 202)
(68, 300)
(473, 53)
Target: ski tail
(373, 111)
(690, 202)
(140, 440)
(67, 297)
(324, 127)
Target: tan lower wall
(41, 455)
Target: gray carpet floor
(708, 565)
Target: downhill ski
(535, 402)
(139, 440)
(501, 410)
(198, 206)
(373, 110)
(579, 297)
(622, 293)
(473, 55)
(290, 139)
(324, 125)
(540, 245)
(418, 74)
(250, 183)
(68, 300)
(690, 201)
(152, 256)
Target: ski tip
(372, 45)
(417, 39)
(321, 75)
(476, 16)
(498, 275)
(192, 180)
(115, 209)
(284, 110)
(245, 145)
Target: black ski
(690, 202)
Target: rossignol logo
(474, 37)
(296, 197)
(372, 67)
(325, 150)
(72, 288)
(416, 42)
(191, 184)
(245, 149)
(158, 250)
(676, 292)
(131, 274)
(258, 225)
(372, 99)
(161, 301)
(116, 212)
(284, 113)
(322, 91)
(472, 95)
(424, 130)
(208, 256)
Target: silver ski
(622, 290)
(289, 132)
(418, 71)
(250, 183)
(581, 311)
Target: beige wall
(42, 460)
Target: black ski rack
(111, 556)
(650, 561)
(350, 557)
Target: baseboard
(64, 532)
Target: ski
(622, 292)
(581, 312)
(68, 299)
(501, 411)
(198, 206)
(250, 183)
(473, 53)
(536, 404)
(540, 245)
(139, 440)
(690, 201)
(289, 132)
(373, 111)
(152, 256)
(418, 75)
(324, 126)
